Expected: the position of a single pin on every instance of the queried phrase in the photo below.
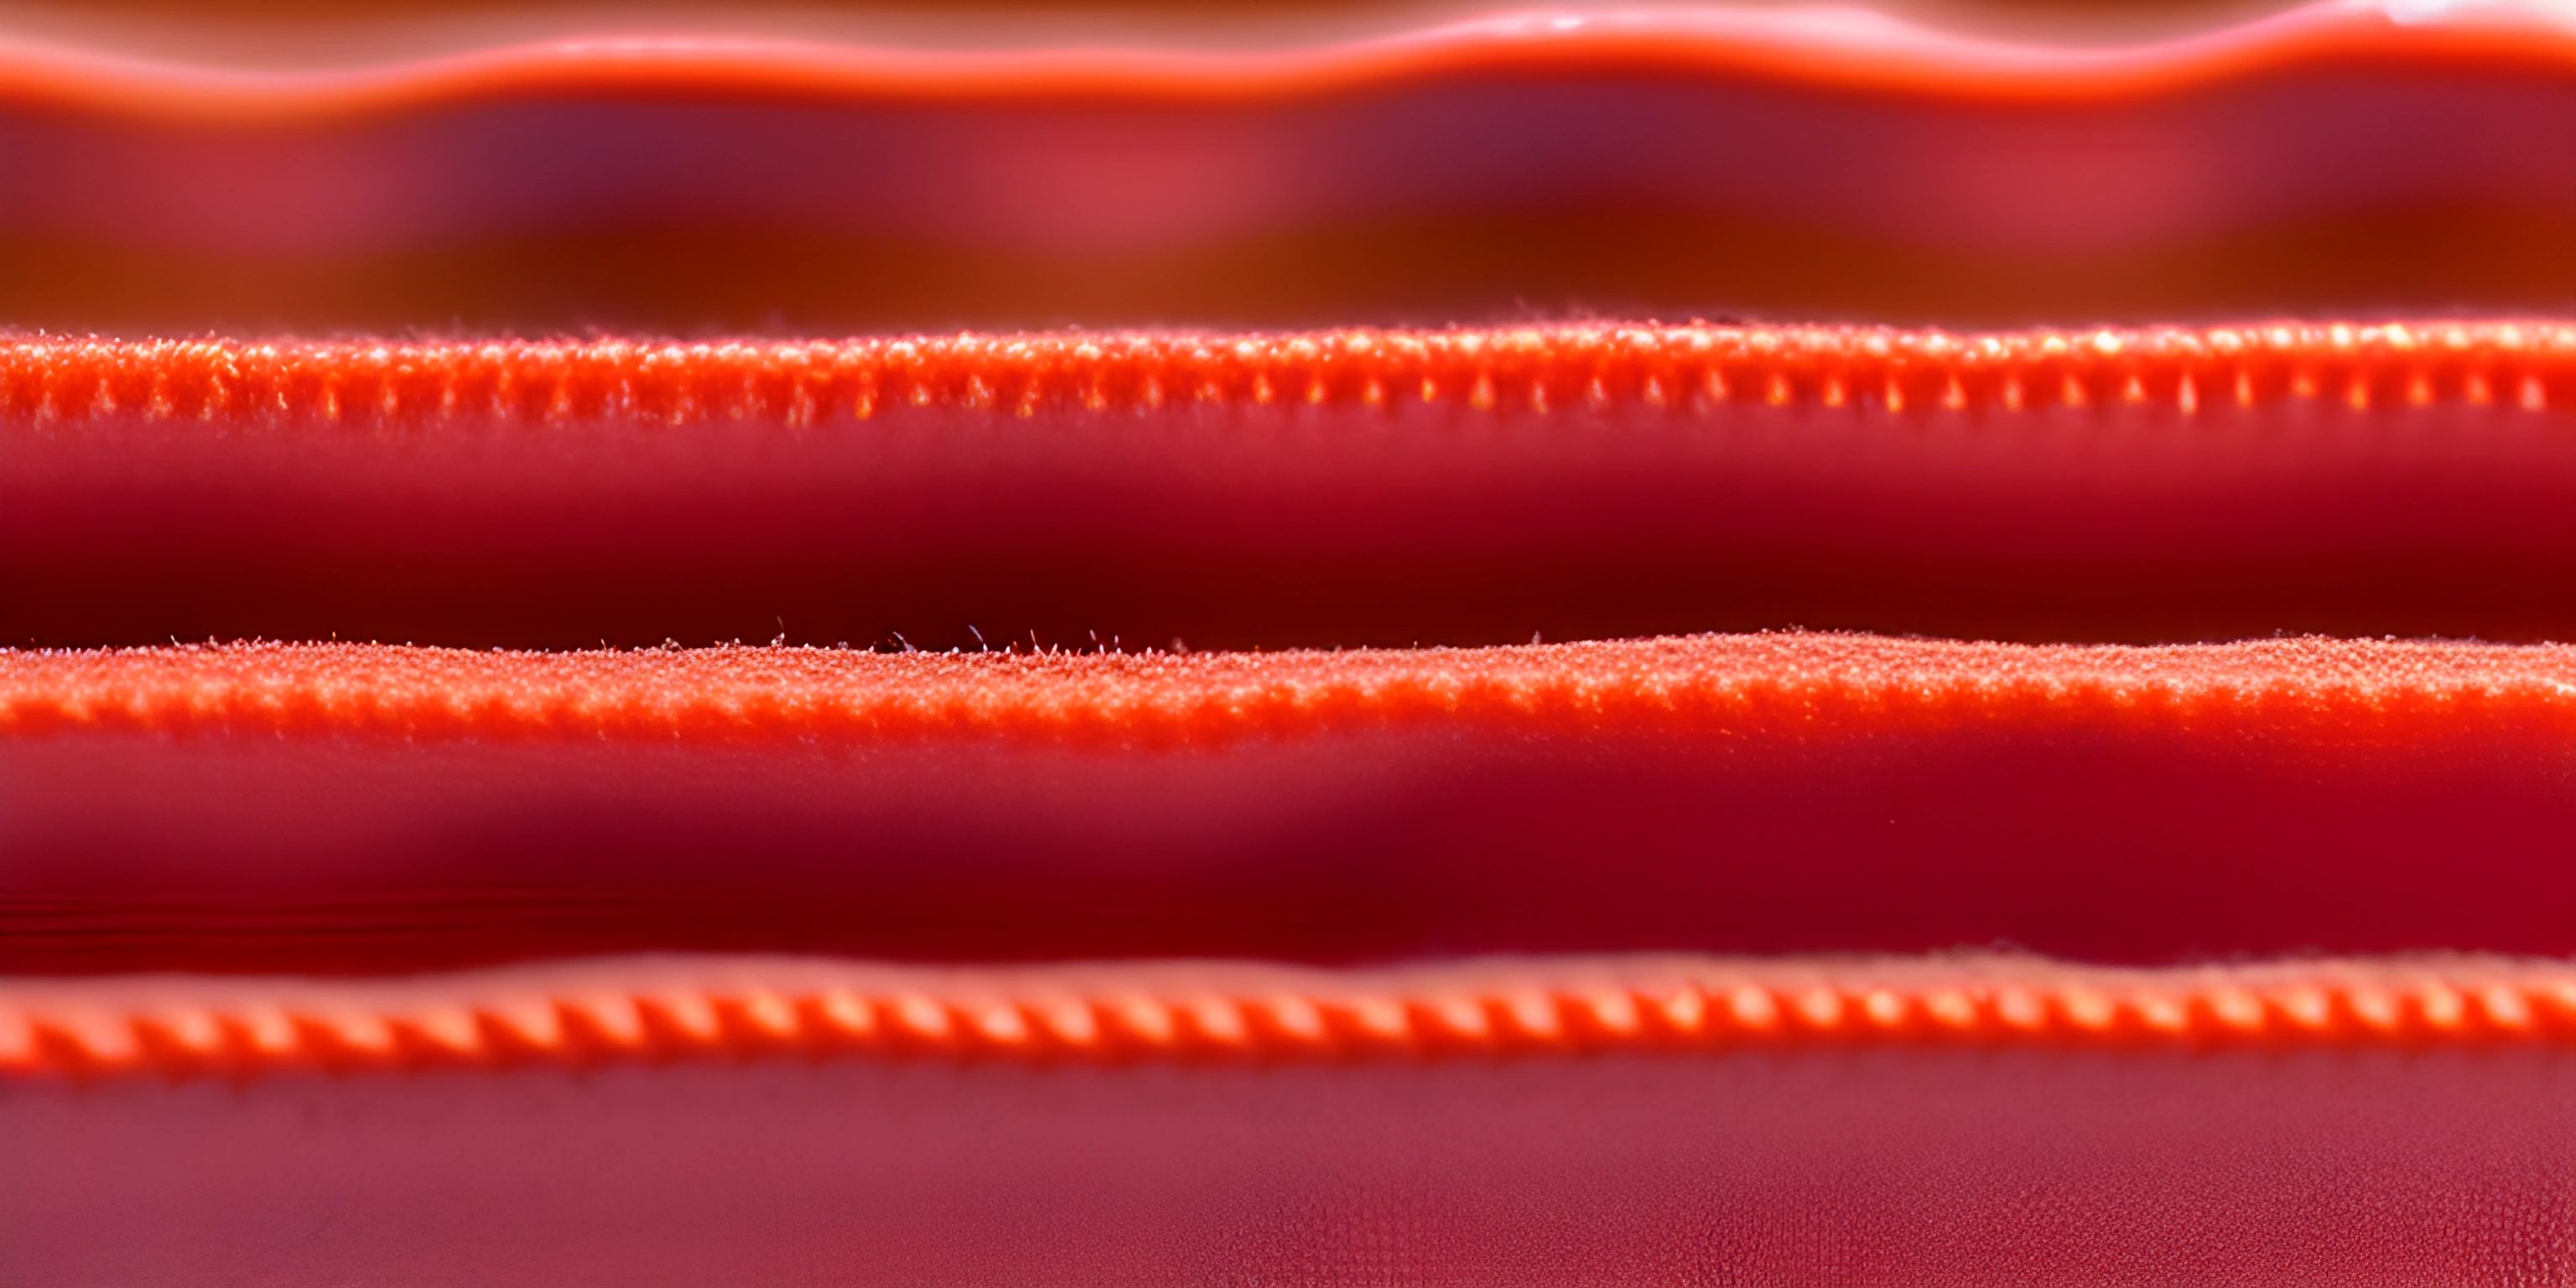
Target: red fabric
(1883, 1166)
(1946, 1122)
(365, 808)
(1349, 488)
(1176, 917)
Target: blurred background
(476, 166)
(289, 32)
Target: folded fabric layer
(1356, 487)
(1093, 881)
(360, 809)
(1661, 160)
(1610, 1122)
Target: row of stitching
(1166, 1015)
(1782, 684)
(1539, 370)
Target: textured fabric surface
(1365, 487)
(1875, 1167)
(364, 809)
(1684, 646)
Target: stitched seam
(1742, 685)
(1546, 371)
(1718, 1007)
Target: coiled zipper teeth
(1743, 685)
(1175, 1014)
(1548, 371)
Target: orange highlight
(678, 1008)
(1840, 50)
(1783, 683)
(1556, 369)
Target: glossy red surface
(2339, 160)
